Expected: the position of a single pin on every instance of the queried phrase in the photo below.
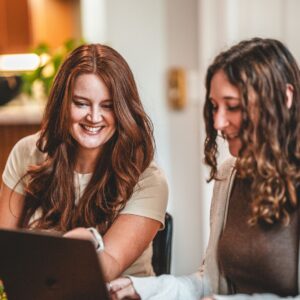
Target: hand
(207, 298)
(122, 288)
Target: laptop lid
(39, 266)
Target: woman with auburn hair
(253, 102)
(89, 173)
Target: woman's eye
(214, 107)
(234, 108)
(108, 106)
(79, 103)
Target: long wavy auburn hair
(123, 158)
(270, 133)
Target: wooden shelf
(15, 26)
(26, 23)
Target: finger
(113, 297)
(119, 284)
(127, 292)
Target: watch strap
(98, 238)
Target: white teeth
(92, 129)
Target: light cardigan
(207, 281)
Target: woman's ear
(289, 92)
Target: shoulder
(26, 150)
(224, 180)
(226, 168)
(153, 179)
(153, 173)
(223, 183)
(27, 142)
(150, 194)
(23, 154)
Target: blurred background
(168, 44)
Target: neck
(86, 161)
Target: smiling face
(227, 110)
(93, 120)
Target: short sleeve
(23, 154)
(150, 195)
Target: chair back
(162, 248)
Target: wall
(136, 28)
(184, 128)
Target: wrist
(99, 244)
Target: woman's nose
(220, 120)
(95, 115)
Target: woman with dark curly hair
(253, 102)
(89, 172)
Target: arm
(136, 225)
(124, 242)
(174, 288)
(158, 288)
(12, 193)
(252, 297)
(11, 206)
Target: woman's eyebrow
(81, 97)
(227, 98)
(87, 99)
(231, 98)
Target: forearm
(169, 287)
(110, 266)
(115, 257)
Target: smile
(92, 129)
(231, 136)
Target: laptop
(40, 266)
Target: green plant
(2, 292)
(50, 62)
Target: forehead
(90, 86)
(222, 88)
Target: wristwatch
(98, 238)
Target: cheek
(76, 114)
(238, 119)
(112, 119)
(214, 121)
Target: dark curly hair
(270, 152)
(123, 158)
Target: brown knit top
(261, 258)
